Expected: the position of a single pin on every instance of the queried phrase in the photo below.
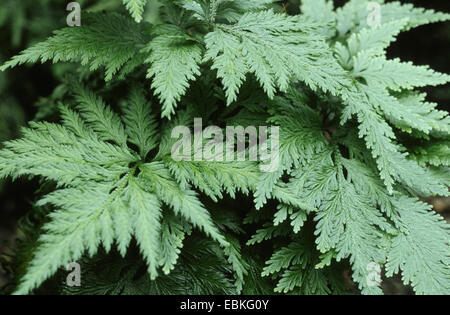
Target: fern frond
(436, 153)
(199, 271)
(395, 74)
(234, 258)
(174, 62)
(106, 191)
(352, 17)
(146, 216)
(140, 123)
(351, 227)
(357, 147)
(79, 225)
(392, 164)
(320, 12)
(301, 139)
(273, 47)
(136, 8)
(103, 40)
(184, 202)
(123, 225)
(172, 236)
(100, 118)
(424, 264)
(377, 39)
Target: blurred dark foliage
(23, 92)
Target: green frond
(375, 40)
(214, 178)
(199, 271)
(396, 75)
(301, 139)
(123, 225)
(271, 46)
(239, 266)
(352, 17)
(348, 224)
(359, 146)
(424, 264)
(140, 123)
(184, 202)
(172, 236)
(321, 12)
(174, 60)
(99, 117)
(436, 153)
(136, 8)
(78, 226)
(103, 40)
(105, 191)
(294, 266)
(392, 164)
(145, 210)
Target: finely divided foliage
(106, 192)
(358, 146)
